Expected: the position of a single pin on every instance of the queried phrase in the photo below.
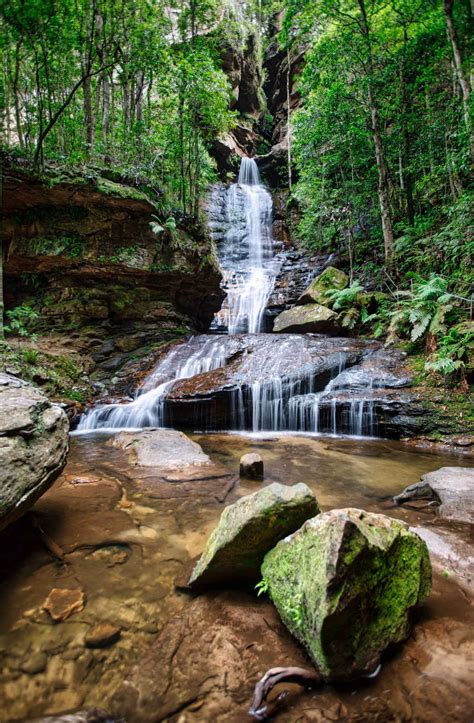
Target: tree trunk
(2, 307)
(461, 77)
(105, 110)
(382, 168)
(16, 96)
(406, 149)
(88, 114)
(288, 131)
(383, 180)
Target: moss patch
(345, 585)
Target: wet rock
(308, 318)
(61, 603)
(331, 278)
(161, 448)
(34, 663)
(33, 446)
(451, 488)
(90, 715)
(211, 654)
(102, 636)
(248, 529)
(346, 585)
(251, 466)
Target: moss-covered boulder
(248, 529)
(331, 278)
(346, 585)
(309, 318)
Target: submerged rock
(102, 635)
(345, 585)
(331, 278)
(33, 446)
(251, 466)
(61, 603)
(452, 488)
(161, 448)
(248, 529)
(308, 318)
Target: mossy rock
(309, 318)
(346, 585)
(330, 279)
(248, 529)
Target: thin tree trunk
(382, 168)
(288, 126)
(383, 180)
(407, 177)
(16, 96)
(88, 114)
(461, 77)
(105, 110)
(2, 306)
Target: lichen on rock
(331, 278)
(248, 529)
(346, 585)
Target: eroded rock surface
(33, 446)
(451, 488)
(346, 585)
(248, 529)
(308, 318)
(161, 448)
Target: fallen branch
(274, 676)
(47, 541)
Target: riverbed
(124, 538)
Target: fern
(344, 298)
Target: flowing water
(240, 219)
(128, 535)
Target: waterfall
(275, 400)
(198, 355)
(245, 251)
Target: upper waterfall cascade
(240, 218)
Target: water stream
(240, 219)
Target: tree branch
(258, 708)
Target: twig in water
(274, 676)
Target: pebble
(34, 663)
(102, 635)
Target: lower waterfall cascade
(240, 219)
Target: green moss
(345, 587)
(118, 190)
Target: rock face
(345, 585)
(452, 488)
(161, 448)
(33, 446)
(85, 251)
(251, 466)
(308, 318)
(248, 529)
(331, 278)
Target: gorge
(236, 362)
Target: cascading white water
(246, 258)
(198, 355)
(277, 400)
(245, 252)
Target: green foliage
(423, 311)
(344, 298)
(21, 320)
(112, 85)
(395, 63)
(454, 352)
(262, 587)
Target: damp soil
(122, 537)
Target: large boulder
(248, 529)
(33, 446)
(345, 585)
(331, 278)
(308, 318)
(452, 488)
